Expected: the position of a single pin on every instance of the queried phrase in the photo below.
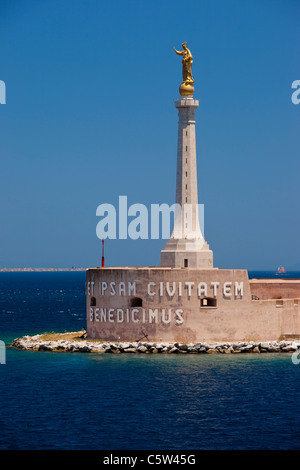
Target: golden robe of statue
(186, 88)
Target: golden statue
(187, 86)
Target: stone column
(187, 246)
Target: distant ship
(281, 270)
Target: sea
(85, 401)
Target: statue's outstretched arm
(178, 52)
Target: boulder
(192, 350)
(247, 348)
(289, 348)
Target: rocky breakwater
(81, 344)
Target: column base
(186, 254)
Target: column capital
(186, 103)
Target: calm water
(155, 402)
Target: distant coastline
(6, 270)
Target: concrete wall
(172, 306)
(275, 288)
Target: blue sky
(89, 116)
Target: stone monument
(187, 246)
(185, 299)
